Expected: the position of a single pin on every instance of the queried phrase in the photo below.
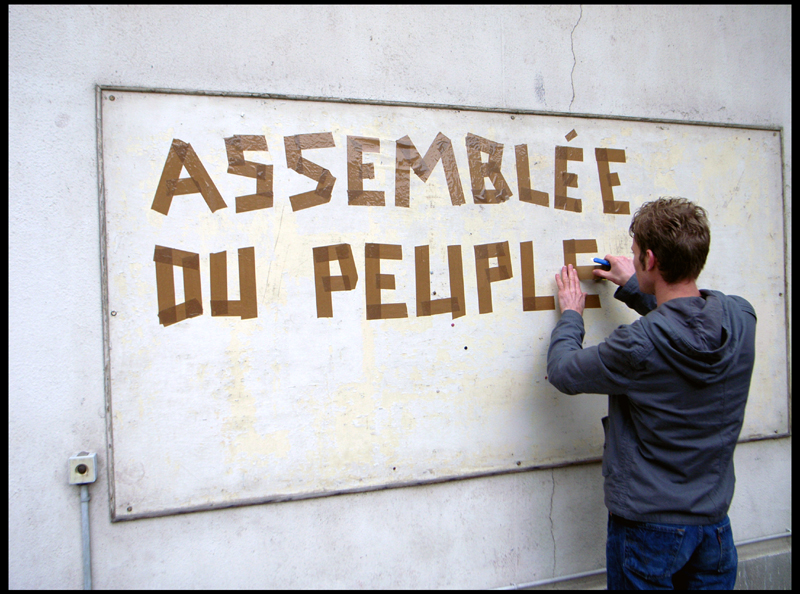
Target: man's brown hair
(677, 232)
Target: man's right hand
(622, 270)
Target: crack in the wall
(574, 61)
(552, 531)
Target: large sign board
(314, 297)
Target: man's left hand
(570, 295)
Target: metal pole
(87, 555)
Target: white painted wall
(713, 64)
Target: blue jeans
(649, 556)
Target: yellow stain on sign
(239, 435)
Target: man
(677, 381)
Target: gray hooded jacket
(677, 381)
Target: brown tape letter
(166, 259)
(375, 281)
(487, 275)
(526, 191)
(564, 179)
(246, 307)
(478, 170)
(295, 145)
(530, 302)
(358, 171)
(582, 246)
(235, 146)
(181, 154)
(324, 283)
(608, 180)
(407, 157)
(427, 306)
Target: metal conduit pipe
(86, 538)
(83, 471)
(594, 572)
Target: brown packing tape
(582, 246)
(579, 246)
(176, 257)
(569, 153)
(165, 260)
(247, 283)
(571, 134)
(366, 198)
(422, 275)
(407, 157)
(570, 180)
(247, 306)
(338, 283)
(592, 302)
(491, 250)
(375, 281)
(237, 144)
(456, 271)
(478, 170)
(181, 155)
(530, 302)
(294, 146)
(498, 273)
(165, 287)
(526, 191)
(344, 254)
(358, 171)
(608, 180)
(321, 195)
(386, 282)
(538, 303)
(219, 283)
(180, 312)
(254, 201)
(610, 154)
(454, 304)
(169, 177)
(347, 265)
(324, 283)
(445, 149)
(486, 275)
(564, 179)
(237, 165)
(179, 187)
(194, 307)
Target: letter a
(181, 154)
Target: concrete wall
(712, 64)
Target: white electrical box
(83, 468)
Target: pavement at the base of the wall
(763, 565)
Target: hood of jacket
(699, 336)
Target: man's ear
(650, 261)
